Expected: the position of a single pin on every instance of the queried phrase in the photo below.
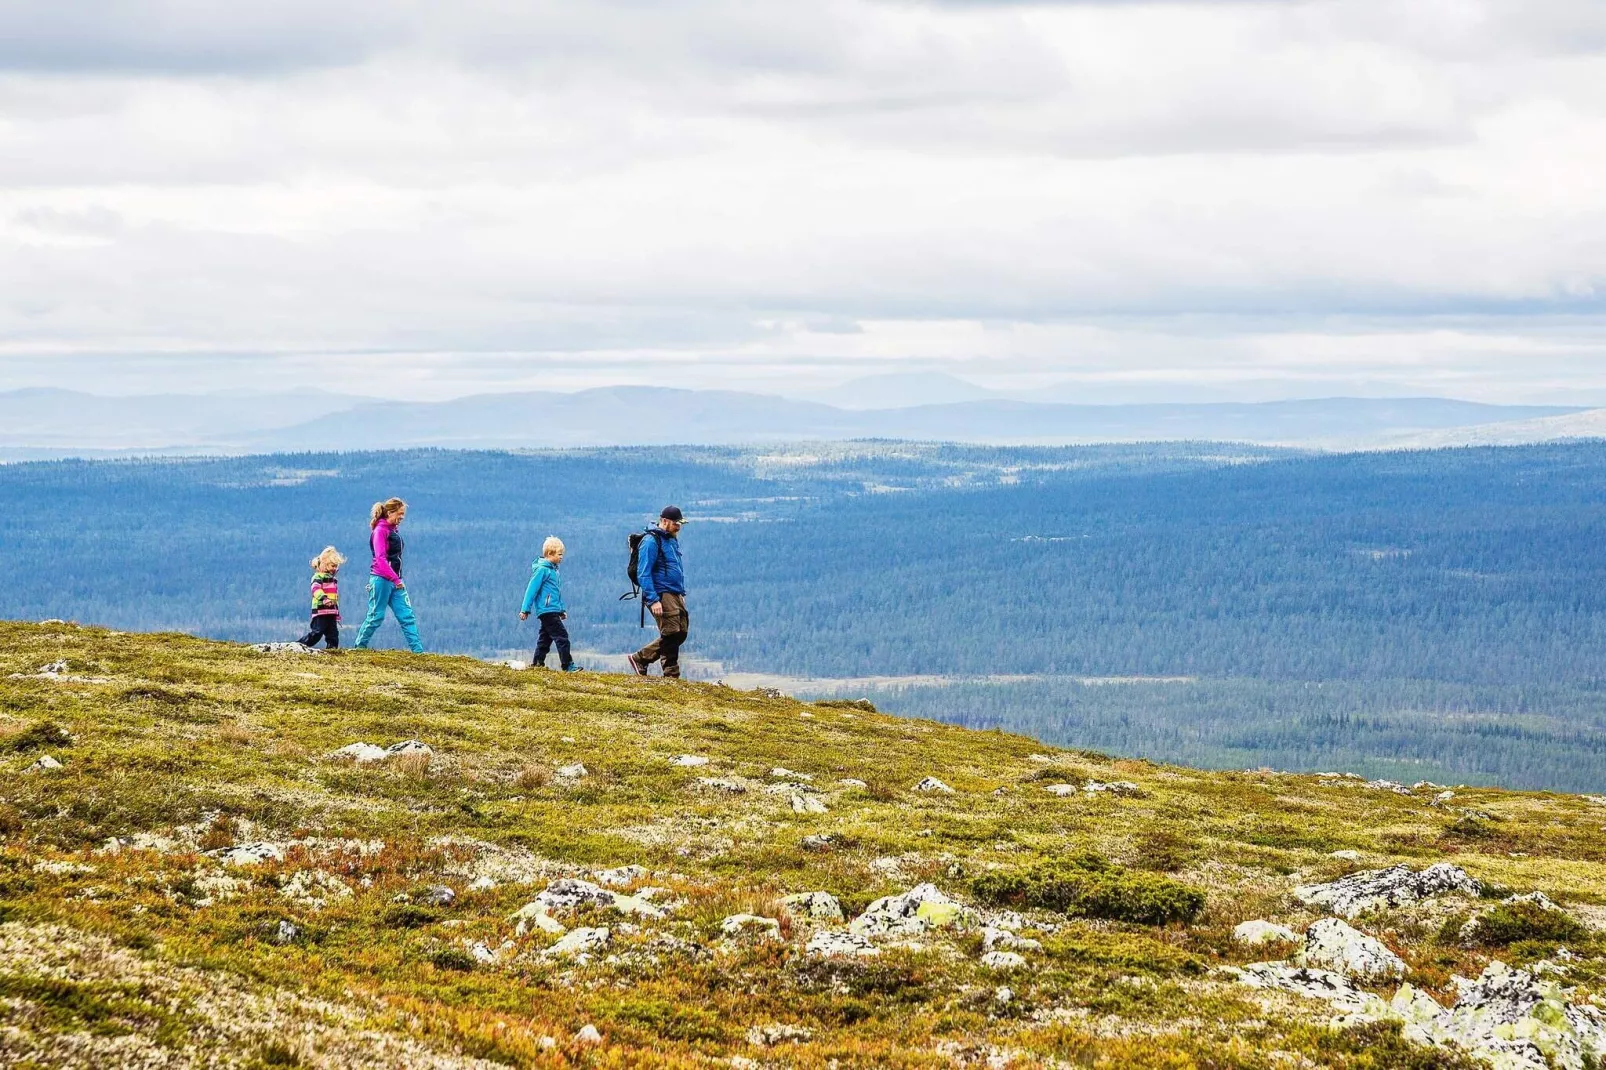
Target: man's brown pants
(673, 624)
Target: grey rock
(1331, 944)
(621, 876)
(839, 944)
(751, 925)
(286, 932)
(577, 771)
(726, 784)
(588, 1036)
(822, 842)
(1522, 1019)
(1002, 960)
(438, 895)
(931, 783)
(688, 761)
(248, 854)
(579, 944)
(921, 908)
(1063, 790)
(852, 782)
(361, 753)
(1377, 889)
(292, 649)
(1310, 982)
(571, 893)
(816, 906)
(45, 764)
(535, 916)
(1346, 856)
(995, 939)
(1257, 933)
(407, 748)
(807, 804)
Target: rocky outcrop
(918, 910)
(1330, 944)
(1379, 889)
(1509, 1018)
(838, 944)
(814, 906)
(571, 893)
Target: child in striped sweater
(325, 599)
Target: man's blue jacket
(658, 568)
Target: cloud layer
(425, 199)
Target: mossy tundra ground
(124, 943)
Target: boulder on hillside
(579, 944)
(1258, 933)
(816, 906)
(921, 908)
(1331, 944)
(571, 893)
(361, 753)
(931, 783)
(1396, 886)
(834, 943)
(535, 916)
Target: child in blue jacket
(544, 597)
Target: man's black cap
(672, 512)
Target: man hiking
(663, 590)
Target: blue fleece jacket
(545, 593)
(659, 568)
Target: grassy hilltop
(125, 943)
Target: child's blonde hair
(552, 545)
(328, 560)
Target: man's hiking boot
(572, 668)
(635, 665)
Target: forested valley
(1425, 614)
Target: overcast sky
(420, 199)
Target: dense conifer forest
(1432, 613)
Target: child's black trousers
(553, 633)
(327, 626)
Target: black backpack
(633, 570)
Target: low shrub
(452, 958)
(1084, 889)
(37, 735)
(862, 704)
(408, 916)
(1510, 923)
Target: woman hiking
(385, 586)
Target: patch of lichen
(229, 744)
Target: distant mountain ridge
(63, 422)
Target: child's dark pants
(553, 633)
(327, 626)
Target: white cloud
(557, 192)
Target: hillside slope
(192, 880)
